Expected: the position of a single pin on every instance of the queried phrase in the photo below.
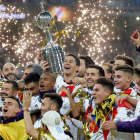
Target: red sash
(70, 88)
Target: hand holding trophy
(51, 53)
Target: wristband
(26, 110)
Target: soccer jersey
(61, 136)
(66, 103)
(89, 101)
(130, 91)
(122, 112)
(35, 102)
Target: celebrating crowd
(85, 102)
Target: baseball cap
(53, 121)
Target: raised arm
(128, 126)
(136, 42)
(27, 119)
(76, 108)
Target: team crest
(57, 121)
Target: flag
(13, 131)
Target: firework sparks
(93, 19)
(26, 41)
(95, 28)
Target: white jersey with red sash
(129, 92)
(66, 103)
(88, 103)
(121, 112)
(72, 88)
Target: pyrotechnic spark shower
(92, 20)
(26, 41)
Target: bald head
(52, 77)
(9, 71)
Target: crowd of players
(86, 102)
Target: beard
(10, 76)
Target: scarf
(41, 94)
(129, 92)
(101, 113)
(14, 131)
